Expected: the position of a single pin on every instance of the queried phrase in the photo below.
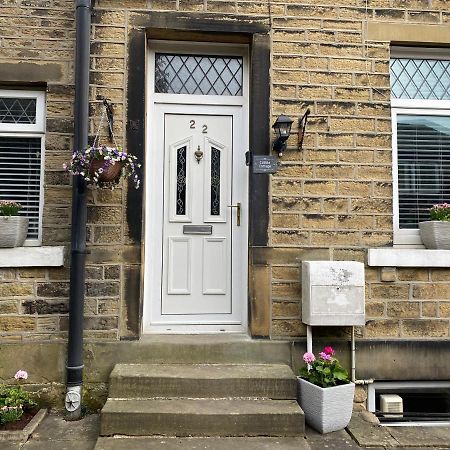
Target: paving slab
(421, 436)
(9, 445)
(335, 440)
(367, 434)
(58, 445)
(219, 443)
(54, 427)
(55, 433)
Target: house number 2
(204, 127)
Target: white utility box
(333, 293)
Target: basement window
(22, 130)
(410, 402)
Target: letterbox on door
(333, 293)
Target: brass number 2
(204, 127)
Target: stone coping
(23, 435)
(407, 257)
(32, 256)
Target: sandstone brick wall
(334, 196)
(337, 193)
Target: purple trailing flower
(82, 164)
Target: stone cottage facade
(337, 198)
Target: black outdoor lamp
(282, 127)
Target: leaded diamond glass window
(198, 74)
(181, 181)
(215, 182)
(425, 79)
(17, 110)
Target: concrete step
(201, 417)
(275, 381)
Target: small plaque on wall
(264, 164)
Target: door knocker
(198, 155)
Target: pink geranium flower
(328, 350)
(325, 356)
(309, 357)
(21, 375)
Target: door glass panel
(215, 182)
(181, 181)
(198, 74)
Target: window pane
(423, 145)
(20, 172)
(200, 75)
(215, 182)
(181, 181)
(18, 110)
(420, 78)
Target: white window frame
(30, 130)
(410, 237)
(420, 107)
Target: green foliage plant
(324, 371)
(440, 212)
(8, 208)
(14, 400)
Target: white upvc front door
(197, 231)
(196, 236)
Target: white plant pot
(13, 231)
(435, 234)
(326, 409)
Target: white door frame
(157, 106)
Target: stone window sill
(408, 257)
(32, 257)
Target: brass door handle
(238, 212)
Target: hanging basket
(111, 172)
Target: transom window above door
(198, 74)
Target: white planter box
(13, 231)
(326, 409)
(435, 234)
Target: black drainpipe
(78, 255)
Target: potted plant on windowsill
(13, 228)
(435, 233)
(325, 392)
(103, 166)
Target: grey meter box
(333, 293)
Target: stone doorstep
(202, 417)
(275, 381)
(23, 435)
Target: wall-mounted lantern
(282, 128)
